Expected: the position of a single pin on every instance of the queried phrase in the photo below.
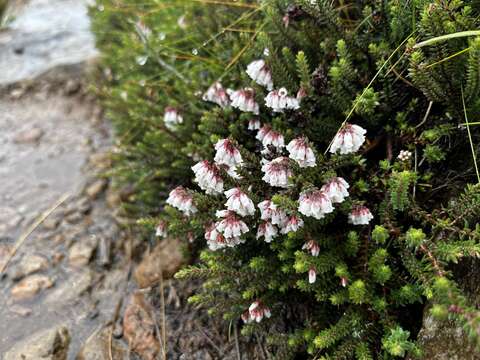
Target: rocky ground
(69, 286)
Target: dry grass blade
(474, 154)
(31, 229)
(447, 37)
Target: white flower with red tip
(360, 215)
(270, 137)
(315, 203)
(215, 239)
(181, 199)
(258, 311)
(336, 189)
(291, 224)
(277, 172)
(217, 95)
(312, 246)
(239, 202)
(254, 124)
(312, 275)
(348, 139)
(227, 154)
(259, 72)
(207, 176)
(172, 117)
(278, 100)
(267, 230)
(231, 226)
(270, 211)
(161, 229)
(343, 281)
(301, 152)
(244, 100)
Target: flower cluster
(256, 312)
(233, 223)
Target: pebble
(30, 286)
(139, 327)
(28, 136)
(164, 260)
(49, 344)
(74, 218)
(51, 223)
(97, 347)
(72, 289)
(20, 310)
(95, 189)
(29, 264)
(81, 251)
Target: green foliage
(353, 63)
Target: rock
(50, 344)
(28, 136)
(113, 198)
(165, 259)
(20, 310)
(97, 347)
(29, 264)
(101, 161)
(30, 286)
(72, 86)
(9, 218)
(445, 340)
(51, 223)
(139, 327)
(71, 289)
(74, 218)
(81, 251)
(95, 189)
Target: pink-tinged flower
(227, 154)
(360, 215)
(246, 317)
(301, 152)
(270, 211)
(265, 210)
(301, 94)
(181, 199)
(207, 176)
(172, 117)
(277, 172)
(258, 311)
(161, 229)
(239, 202)
(343, 281)
(244, 100)
(254, 124)
(217, 95)
(312, 246)
(264, 130)
(291, 224)
(231, 226)
(312, 275)
(348, 139)
(278, 101)
(215, 240)
(259, 72)
(314, 203)
(336, 189)
(267, 230)
(270, 137)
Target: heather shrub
(333, 173)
